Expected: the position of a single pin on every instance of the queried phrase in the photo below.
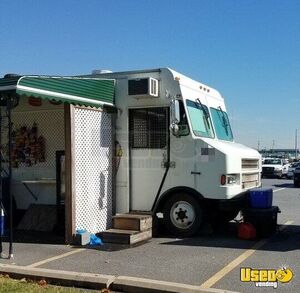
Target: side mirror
(178, 126)
(175, 117)
(177, 111)
(174, 128)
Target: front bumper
(270, 173)
(239, 202)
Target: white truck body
(194, 162)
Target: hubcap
(182, 215)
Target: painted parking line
(232, 265)
(39, 263)
(275, 190)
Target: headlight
(229, 179)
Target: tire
(183, 215)
(296, 184)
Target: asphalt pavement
(211, 260)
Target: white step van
(175, 152)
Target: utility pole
(258, 144)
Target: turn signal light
(223, 180)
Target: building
(282, 153)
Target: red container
(246, 231)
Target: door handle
(195, 173)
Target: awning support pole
(1, 181)
(9, 107)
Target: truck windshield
(272, 162)
(200, 119)
(221, 123)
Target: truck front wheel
(183, 215)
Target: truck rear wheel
(183, 215)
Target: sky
(248, 50)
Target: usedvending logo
(266, 277)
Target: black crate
(264, 220)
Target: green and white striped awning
(75, 90)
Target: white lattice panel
(93, 170)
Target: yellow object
(284, 275)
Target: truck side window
(200, 119)
(148, 127)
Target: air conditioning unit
(143, 87)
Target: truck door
(148, 133)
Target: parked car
(297, 176)
(274, 167)
(292, 167)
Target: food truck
(146, 141)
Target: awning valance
(82, 91)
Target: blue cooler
(261, 198)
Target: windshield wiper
(205, 111)
(224, 120)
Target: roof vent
(11, 75)
(101, 71)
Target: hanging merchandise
(35, 101)
(118, 155)
(27, 147)
(41, 149)
(54, 102)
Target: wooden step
(125, 236)
(136, 222)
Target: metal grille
(250, 177)
(148, 128)
(93, 170)
(250, 180)
(249, 164)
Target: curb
(141, 285)
(58, 277)
(99, 281)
